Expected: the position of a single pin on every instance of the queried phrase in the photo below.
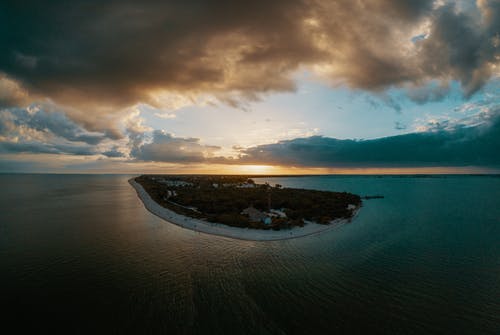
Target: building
(256, 216)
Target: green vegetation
(224, 199)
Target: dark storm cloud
(462, 46)
(165, 147)
(116, 53)
(442, 144)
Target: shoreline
(219, 229)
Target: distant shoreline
(219, 229)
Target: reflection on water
(81, 254)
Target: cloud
(88, 65)
(38, 120)
(399, 126)
(165, 147)
(165, 115)
(433, 91)
(459, 45)
(46, 148)
(43, 129)
(472, 142)
(11, 92)
(119, 53)
(114, 152)
(26, 61)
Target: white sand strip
(219, 229)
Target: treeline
(224, 204)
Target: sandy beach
(310, 228)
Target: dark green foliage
(221, 199)
(232, 219)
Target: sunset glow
(254, 87)
(250, 167)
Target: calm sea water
(80, 254)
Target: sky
(295, 86)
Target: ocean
(81, 254)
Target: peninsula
(238, 207)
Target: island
(238, 207)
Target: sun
(256, 169)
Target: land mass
(237, 207)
